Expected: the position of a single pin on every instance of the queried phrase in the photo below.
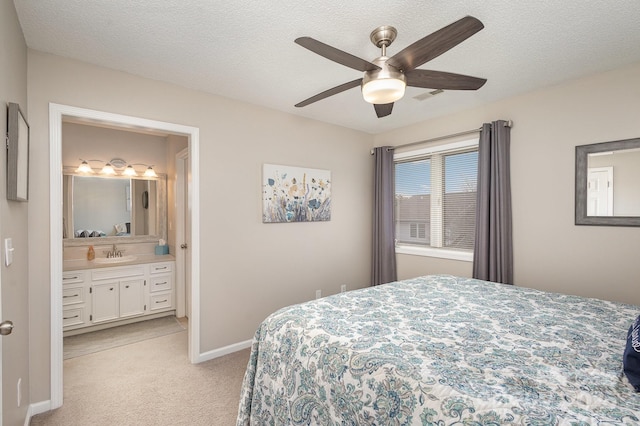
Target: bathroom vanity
(97, 295)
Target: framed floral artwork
(295, 194)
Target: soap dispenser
(91, 254)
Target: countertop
(78, 264)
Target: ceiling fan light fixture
(385, 85)
(383, 90)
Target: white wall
(550, 252)
(248, 269)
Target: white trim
(437, 252)
(216, 353)
(35, 409)
(437, 148)
(56, 114)
(464, 256)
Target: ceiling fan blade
(435, 44)
(330, 92)
(443, 80)
(336, 55)
(382, 110)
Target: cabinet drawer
(73, 316)
(160, 301)
(70, 277)
(113, 273)
(160, 268)
(160, 283)
(71, 295)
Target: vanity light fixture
(108, 169)
(116, 166)
(150, 172)
(129, 171)
(84, 167)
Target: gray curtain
(383, 262)
(493, 252)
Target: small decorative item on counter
(162, 249)
(91, 254)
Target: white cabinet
(75, 300)
(112, 295)
(105, 300)
(132, 298)
(117, 293)
(160, 286)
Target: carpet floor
(96, 341)
(150, 382)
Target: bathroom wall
(89, 142)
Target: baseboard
(37, 408)
(216, 353)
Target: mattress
(441, 350)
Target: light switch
(8, 251)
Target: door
(105, 301)
(600, 191)
(183, 234)
(131, 298)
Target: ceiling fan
(385, 78)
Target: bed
(442, 350)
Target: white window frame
(437, 252)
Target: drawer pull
(126, 286)
(70, 278)
(75, 316)
(111, 289)
(162, 301)
(162, 283)
(72, 295)
(160, 268)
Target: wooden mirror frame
(582, 154)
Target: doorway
(57, 113)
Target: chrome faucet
(114, 252)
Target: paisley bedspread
(441, 350)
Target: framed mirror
(17, 154)
(108, 209)
(608, 183)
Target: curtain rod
(507, 123)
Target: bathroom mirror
(99, 209)
(608, 183)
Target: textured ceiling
(244, 49)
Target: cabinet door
(131, 297)
(105, 300)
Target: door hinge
(90, 317)
(145, 307)
(90, 290)
(145, 282)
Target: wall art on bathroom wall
(295, 194)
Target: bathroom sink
(121, 259)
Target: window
(435, 200)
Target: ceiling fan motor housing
(384, 85)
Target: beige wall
(551, 253)
(13, 224)
(248, 269)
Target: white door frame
(56, 114)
